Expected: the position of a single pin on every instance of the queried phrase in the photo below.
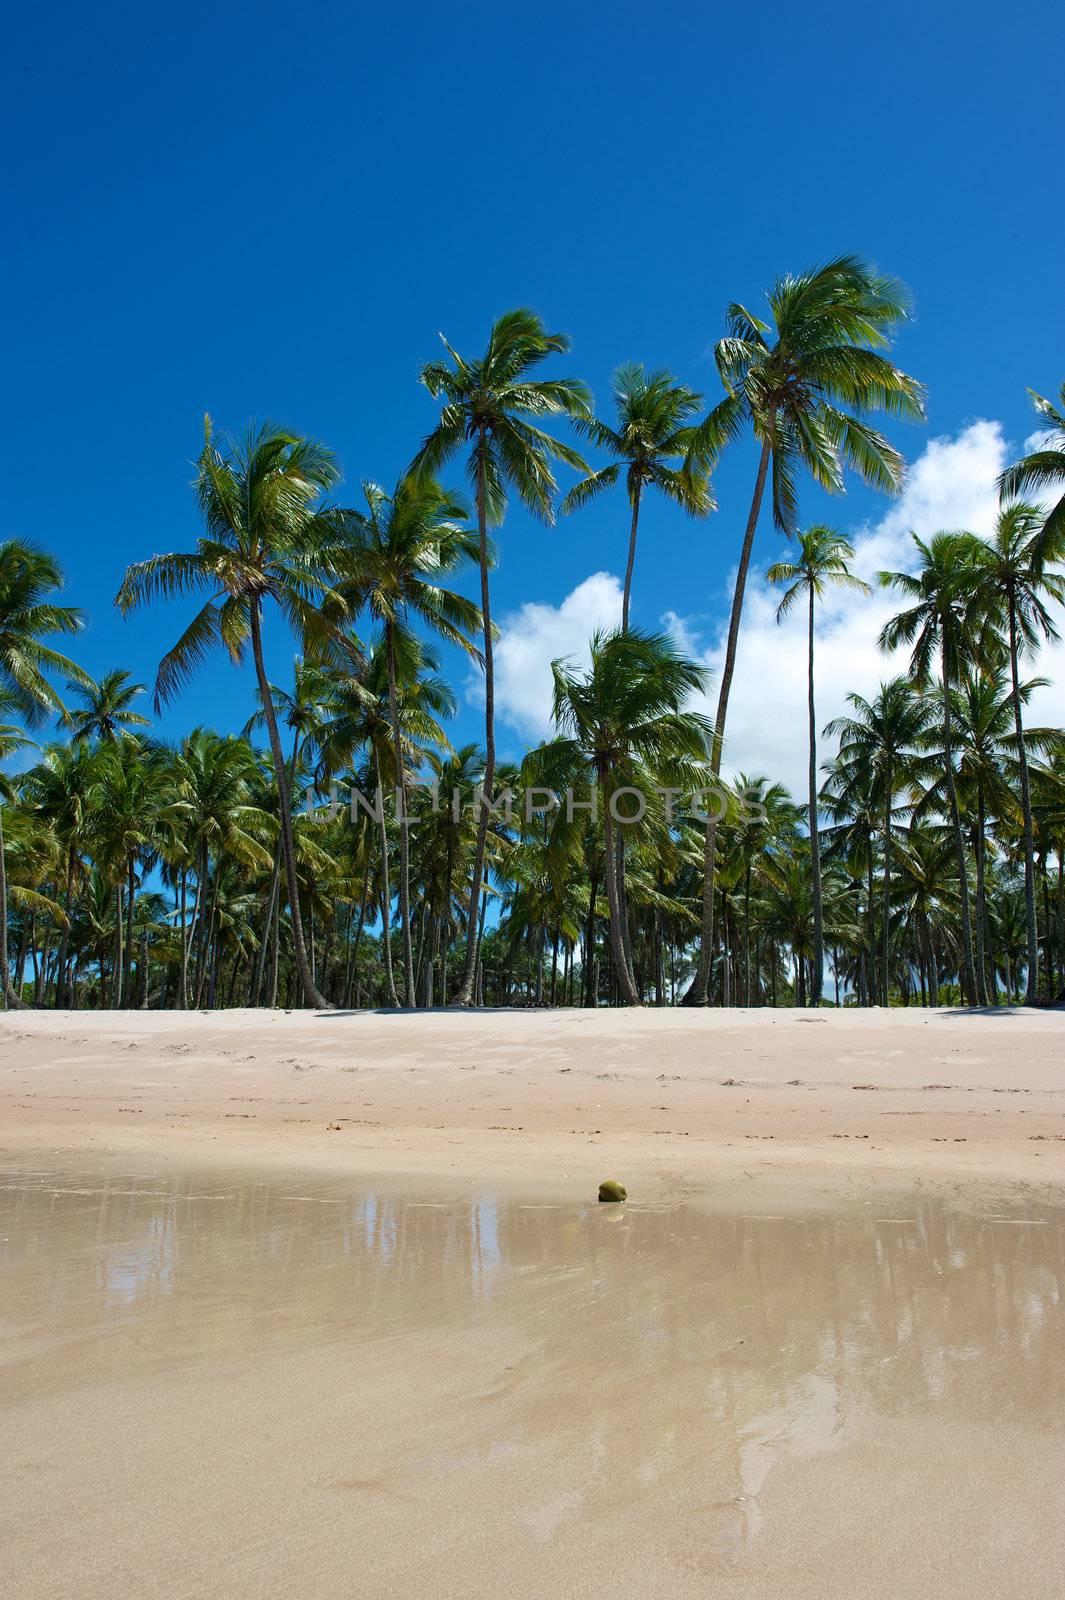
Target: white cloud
(534, 636)
(952, 484)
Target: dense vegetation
(925, 862)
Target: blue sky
(268, 212)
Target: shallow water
(214, 1385)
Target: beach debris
(333, 1127)
(612, 1191)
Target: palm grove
(924, 862)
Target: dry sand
(323, 1306)
(825, 1104)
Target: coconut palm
(11, 739)
(267, 537)
(29, 578)
(492, 405)
(879, 748)
(1016, 571)
(652, 441)
(806, 383)
(937, 625)
(105, 707)
(401, 546)
(1043, 468)
(618, 723)
(822, 560)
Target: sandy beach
(301, 1304)
(716, 1102)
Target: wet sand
(229, 1383)
(323, 1305)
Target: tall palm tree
(653, 434)
(29, 578)
(267, 538)
(401, 546)
(105, 707)
(936, 624)
(621, 725)
(1015, 571)
(492, 404)
(805, 383)
(11, 739)
(879, 744)
(1043, 468)
(823, 558)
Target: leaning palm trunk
(973, 989)
(697, 993)
(465, 992)
(12, 999)
(1029, 829)
(815, 837)
(630, 564)
(404, 839)
(310, 992)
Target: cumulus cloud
(534, 636)
(952, 484)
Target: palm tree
(491, 404)
(619, 724)
(878, 748)
(105, 707)
(267, 538)
(653, 433)
(362, 707)
(1043, 468)
(937, 624)
(823, 557)
(28, 614)
(400, 548)
(11, 739)
(1014, 571)
(805, 384)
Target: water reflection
(604, 1356)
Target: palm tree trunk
(386, 893)
(697, 993)
(1032, 993)
(466, 984)
(64, 938)
(885, 945)
(625, 980)
(127, 975)
(310, 992)
(404, 838)
(116, 976)
(632, 557)
(973, 989)
(815, 836)
(13, 1000)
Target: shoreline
(735, 1108)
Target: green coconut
(611, 1191)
